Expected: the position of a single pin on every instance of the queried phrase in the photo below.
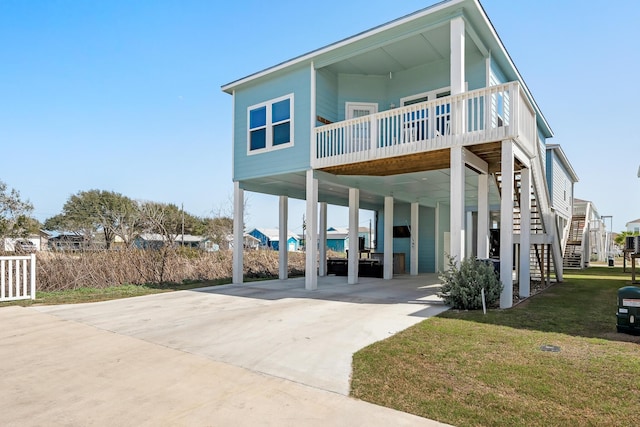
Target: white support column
(415, 223)
(283, 248)
(506, 226)
(483, 216)
(354, 247)
(311, 234)
(322, 268)
(468, 233)
(238, 233)
(388, 238)
(457, 204)
(525, 233)
(457, 55)
(439, 265)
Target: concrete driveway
(269, 352)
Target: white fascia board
(367, 33)
(564, 160)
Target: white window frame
(269, 125)
(430, 95)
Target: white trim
(354, 105)
(269, 125)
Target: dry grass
(467, 369)
(103, 269)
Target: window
(271, 125)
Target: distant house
(31, 243)
(270, 239)
(633, 226)
(585, 236)
(69, 242)
(157, 241)
(249, 242)
(337, 239)
(561, 179)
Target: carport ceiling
(427, 187)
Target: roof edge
(229, 87)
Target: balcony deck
(418, 137)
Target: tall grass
(101, 269)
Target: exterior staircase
(538, 251)
(573, 251)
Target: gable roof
(557, 150)
(635, 221)
(273, 234)
(471, 10)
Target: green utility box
(629, 310)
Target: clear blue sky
(125, 95)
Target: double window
(271, 125)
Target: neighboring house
(250, 242)
(157, 241)
(31, 243)
(68, 242)
(561, 179)
(633, 226)
(270, 239)
(425, 120)
(337, 239)
(586, 238)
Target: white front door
(360, 109)
(359, 134)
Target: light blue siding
(560, 185)
(327, 95)
(426, 236)
(291, 159)
(357, 88)
(336, 245)
(475, 71)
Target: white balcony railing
(490, 114)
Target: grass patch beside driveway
(468, 369)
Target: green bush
(462, 284)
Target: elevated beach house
(425, 120)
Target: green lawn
(470, 369)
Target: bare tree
(15, 214)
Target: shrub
(462, 284)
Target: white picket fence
(17, 277)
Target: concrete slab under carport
(273, 327)
(64, 373)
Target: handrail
(494, 113)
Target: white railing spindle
(17, 277)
